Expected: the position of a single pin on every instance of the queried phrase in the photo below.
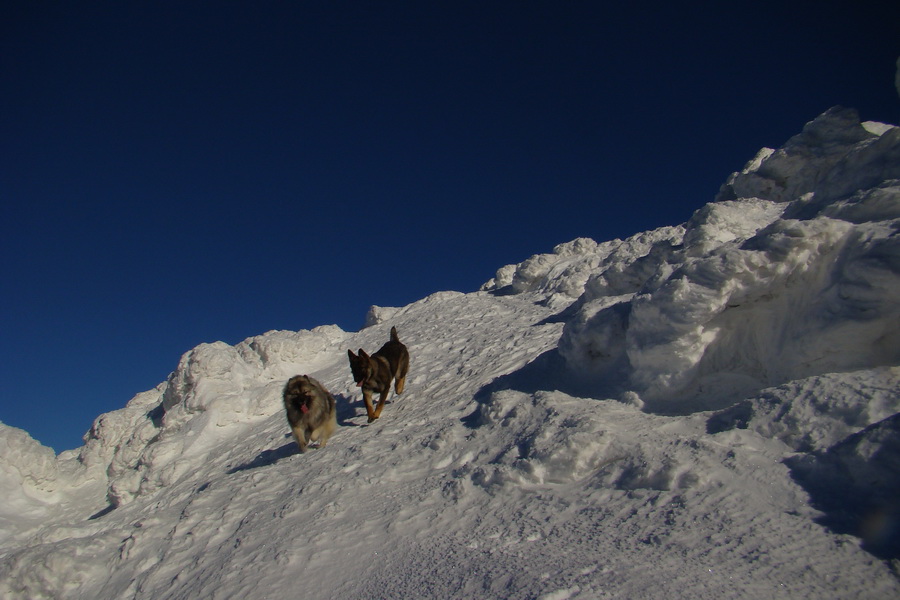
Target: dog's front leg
(367, 398)
(300, 436)
(381, 402)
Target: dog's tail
(394, 337)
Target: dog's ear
(350, 353)
(363, 354)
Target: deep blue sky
(174, 173)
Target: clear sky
(173, 173)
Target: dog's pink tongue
(304, 408)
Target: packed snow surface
(704, 411)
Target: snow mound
(561, 276)
(762, 291)
(815, 413)
(833, 156)
(25, 460)
(550, 438)
(29, 476)
(855, 483)
(215, 390)
(379, 314)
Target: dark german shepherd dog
(374, 373)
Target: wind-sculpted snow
(28, 473)
(562, 275)
(26, 460)
(753, 298)
(832, 157)
(702, 411)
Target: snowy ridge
(701, 411)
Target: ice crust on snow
(705, 410)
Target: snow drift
(706, 410)
(795, 278)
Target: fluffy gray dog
(310, 411)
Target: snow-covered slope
(701, 411)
